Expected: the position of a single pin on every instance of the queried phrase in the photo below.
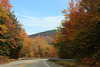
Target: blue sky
(39, 15)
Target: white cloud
(45, 22)
(30, 17)
(34, 24)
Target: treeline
(79, 35)
(14, 42)
(10, 28)
(45, 33)
(42, 48)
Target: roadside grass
(4, 60)
(69, 64)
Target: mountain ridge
(45, 33)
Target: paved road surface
(30, 63)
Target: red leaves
(64, 11)
(6, 4)
(42, 48)
(12, 40)
(71, 5)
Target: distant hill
(46, 33)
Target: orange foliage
(42, 48)
(27, 43)
(6, 4)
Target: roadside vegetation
(4, 60)
(15, 43)
(69, 64)
(78, 37)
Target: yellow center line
(25, 64)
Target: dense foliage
(42, 48)
(46, 33)
(79, 35)
(14, 41)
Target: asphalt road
(30, 63)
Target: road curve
(30, 63)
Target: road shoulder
(54, 63)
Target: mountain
(46, 33)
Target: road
(30, 63)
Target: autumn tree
(89, 37)
(5, 7)
(13, 38)
(26, 50)
(10, 28)
(79, 32)
(42, 48)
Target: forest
(78, 37)
(14, 42)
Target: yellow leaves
(27, 43)
(3, 30)
(41, 47)
(2, 12)
(99, 19)
(58, 37)
(3, 40)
